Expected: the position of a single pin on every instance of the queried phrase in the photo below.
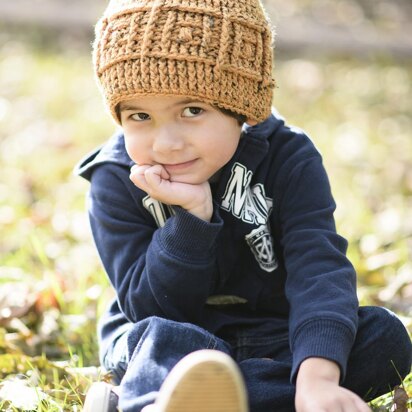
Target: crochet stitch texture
(219, 51)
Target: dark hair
(118, 114)
(241, 118)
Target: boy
(214, 222)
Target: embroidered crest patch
(261, 244)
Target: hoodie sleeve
(167, 271)
(321, 282)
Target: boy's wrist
(204, 212)
(201, 205)
(317, 388)
(318, 368)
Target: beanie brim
(195, 85)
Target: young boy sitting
(214, 222)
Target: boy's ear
(251, 122)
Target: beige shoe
(203, 381)
(101, 397)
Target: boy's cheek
(138, 154)
(131, 152)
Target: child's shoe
(101, 397)
(203, 381)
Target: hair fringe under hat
(219, 51)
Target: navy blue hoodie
(270, 251)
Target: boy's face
(190, 139)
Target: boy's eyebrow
(129, 106)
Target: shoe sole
(203, 381)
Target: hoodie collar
(265, 128)
(113, 151)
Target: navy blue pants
(142, 357)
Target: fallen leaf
(400, 399)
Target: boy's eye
(192, 111)
(139, 117)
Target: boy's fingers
(139, 180)
(362, 406)
(159, 170)
(137, 173)
(153, 176)
(137, 176)
(139, 169)
(165, 175)
(358, 405)
(157, 176)
(157, 179)
(151, 179)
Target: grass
(357, 112)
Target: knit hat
(218, 51)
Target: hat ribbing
(219, 51)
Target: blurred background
(344, 74)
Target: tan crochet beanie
(219, 51)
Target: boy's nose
(167, 140)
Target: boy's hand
(318, 390)
(155, 181)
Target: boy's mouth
(177, 167)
